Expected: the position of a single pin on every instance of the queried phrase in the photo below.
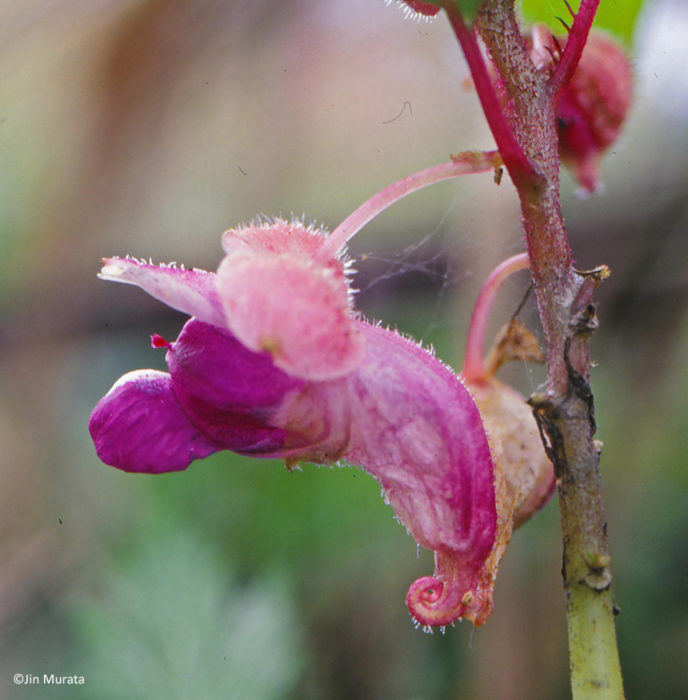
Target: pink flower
(275, 363)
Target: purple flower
(275, 363)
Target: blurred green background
(147, 128)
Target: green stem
(594, 659)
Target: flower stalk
(473, 363)
(467, 163)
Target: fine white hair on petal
(305, 223)
(112, 267)
(189, 291)
(265, 221)
(412, 341)
(410, 13)
(309, 223)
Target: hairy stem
(565, 412)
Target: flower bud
(591, 109)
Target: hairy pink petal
(277, 237)
(190, 291)
(139, 426)
(277, 299)
(416, 429)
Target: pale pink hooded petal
(190, 291)
(279, 237)
(293, 311)
(278, 299)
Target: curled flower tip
(432, 604)
(456, 591)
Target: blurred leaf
(615, 16)
(172, 623)
(264, 516)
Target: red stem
(574, 45)
(517, 163)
